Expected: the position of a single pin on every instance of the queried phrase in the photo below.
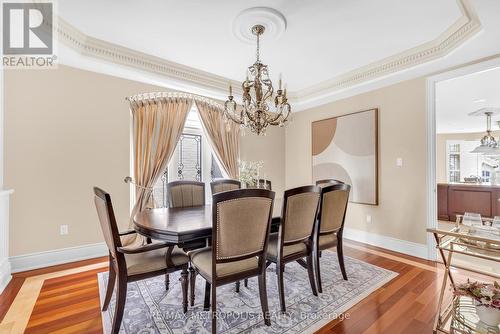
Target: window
(454, 163)
(193, 159)
(485, 176)
(189, 165)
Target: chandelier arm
(229, 114)
(275, 120)
(234, 119)
(281, 117)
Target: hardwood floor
(70, 303)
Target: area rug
(150, 309)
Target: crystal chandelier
(255, 113)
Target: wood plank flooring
(70, 304)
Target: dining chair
(133, 263)
(327, 182)
(217, 186)
(330, 225)
(220, 185)
(294, 240)
(265, 184)
(241, 224)
(183, 194)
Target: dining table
(185, 226)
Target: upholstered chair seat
(154, 260)
(202, 259)
(272, 249)
(329, 240)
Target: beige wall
(67, 130)
(441, 149)
(271, 150)
(401, 213)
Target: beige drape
(157, 125)
(224, 137)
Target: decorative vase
(488, 315)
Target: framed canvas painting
(346, 148)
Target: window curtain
(157, 124)
(224, 137)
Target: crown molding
(463, 29)
(97, 48)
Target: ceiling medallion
(255, 112)
(273, 22)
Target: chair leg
(263, 298)
(214, 310)
(317, 270)
(206, 302)
(192, 282)
(110, 287)
(237, 287)
(340, 254)
(184, 284)
(167, 282)
(310, 273)
(121, 298)
(245, 282)
(281, 286)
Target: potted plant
(486, 298)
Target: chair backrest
(264, 184)
(299, 212)
(334, 199)
(327, 182)
(185, 193)
(221, 185)
(107, 220)
(242, 221)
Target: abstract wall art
(346, 148)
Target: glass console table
(458, 315)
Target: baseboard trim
(57, 256)
(382, 241)
(65, 255)
(5, 275)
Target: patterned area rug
(151, 309)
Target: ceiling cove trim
(463, 29)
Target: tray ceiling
(328, 45)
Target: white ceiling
(324, 38)
(458, 97)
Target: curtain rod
(155, 96)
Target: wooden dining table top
(183, 225)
